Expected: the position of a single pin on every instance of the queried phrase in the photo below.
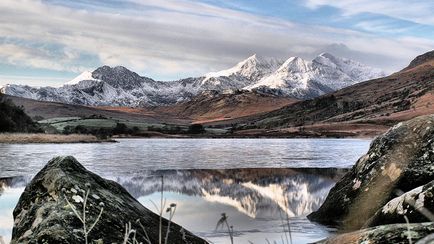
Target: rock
(401, 159)
(394, 233)
(48, 210)
(416, 205)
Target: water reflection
(254, 200)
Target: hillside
(13, 118)
(48, 110)
(383, 102)
(204, 108)
(211, 106)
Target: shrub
(196, 129)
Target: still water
(132, 155)
(256, 182)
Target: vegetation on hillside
(14, 119)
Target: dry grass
(47, 138)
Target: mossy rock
(45, 211)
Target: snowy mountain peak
(252, 68)
(86, 75)
(120, 77)
(294, 64)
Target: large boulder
(394, 233)
(51, 210)
(399, 160)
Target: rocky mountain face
(118, 86)
(308, 79)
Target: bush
(196, 129)
(121, 128)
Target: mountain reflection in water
(258, 193)
(254, 199)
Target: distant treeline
(14, 119)
(123, 129)
(102, 133)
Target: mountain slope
(307, 79)
(212, 107)
(118, 86)
(245, 73)
(13, 118)
(400, 96)
(49, 110)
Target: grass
(46, 138)
(224, 221)
(57, 120)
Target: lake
(256, 182)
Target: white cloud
(174, 38)
(38, 58)
(418, 11)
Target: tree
(196, 129)
(120, 128)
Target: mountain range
(118, 86)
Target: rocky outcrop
(399, 161)
(395, 233)
(51, 210)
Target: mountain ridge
(119, 86)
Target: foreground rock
(417, 205)
(401, 160)
(395, 233)
(48, 210)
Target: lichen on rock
(402, 159)
(48, 209)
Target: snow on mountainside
(307, 79)
(245, 73)
(118, 86)
(86, 75)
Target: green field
(59, 124)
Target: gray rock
(401, 159)
(417, 205)
(394, 233)
(45, 211)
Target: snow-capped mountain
(307, 79)
(108, 86)
(118, 86)
(245, 73)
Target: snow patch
(86, 75)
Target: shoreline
(40, 138)
(35, 138)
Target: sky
(49, 42)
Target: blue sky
(50, 42)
